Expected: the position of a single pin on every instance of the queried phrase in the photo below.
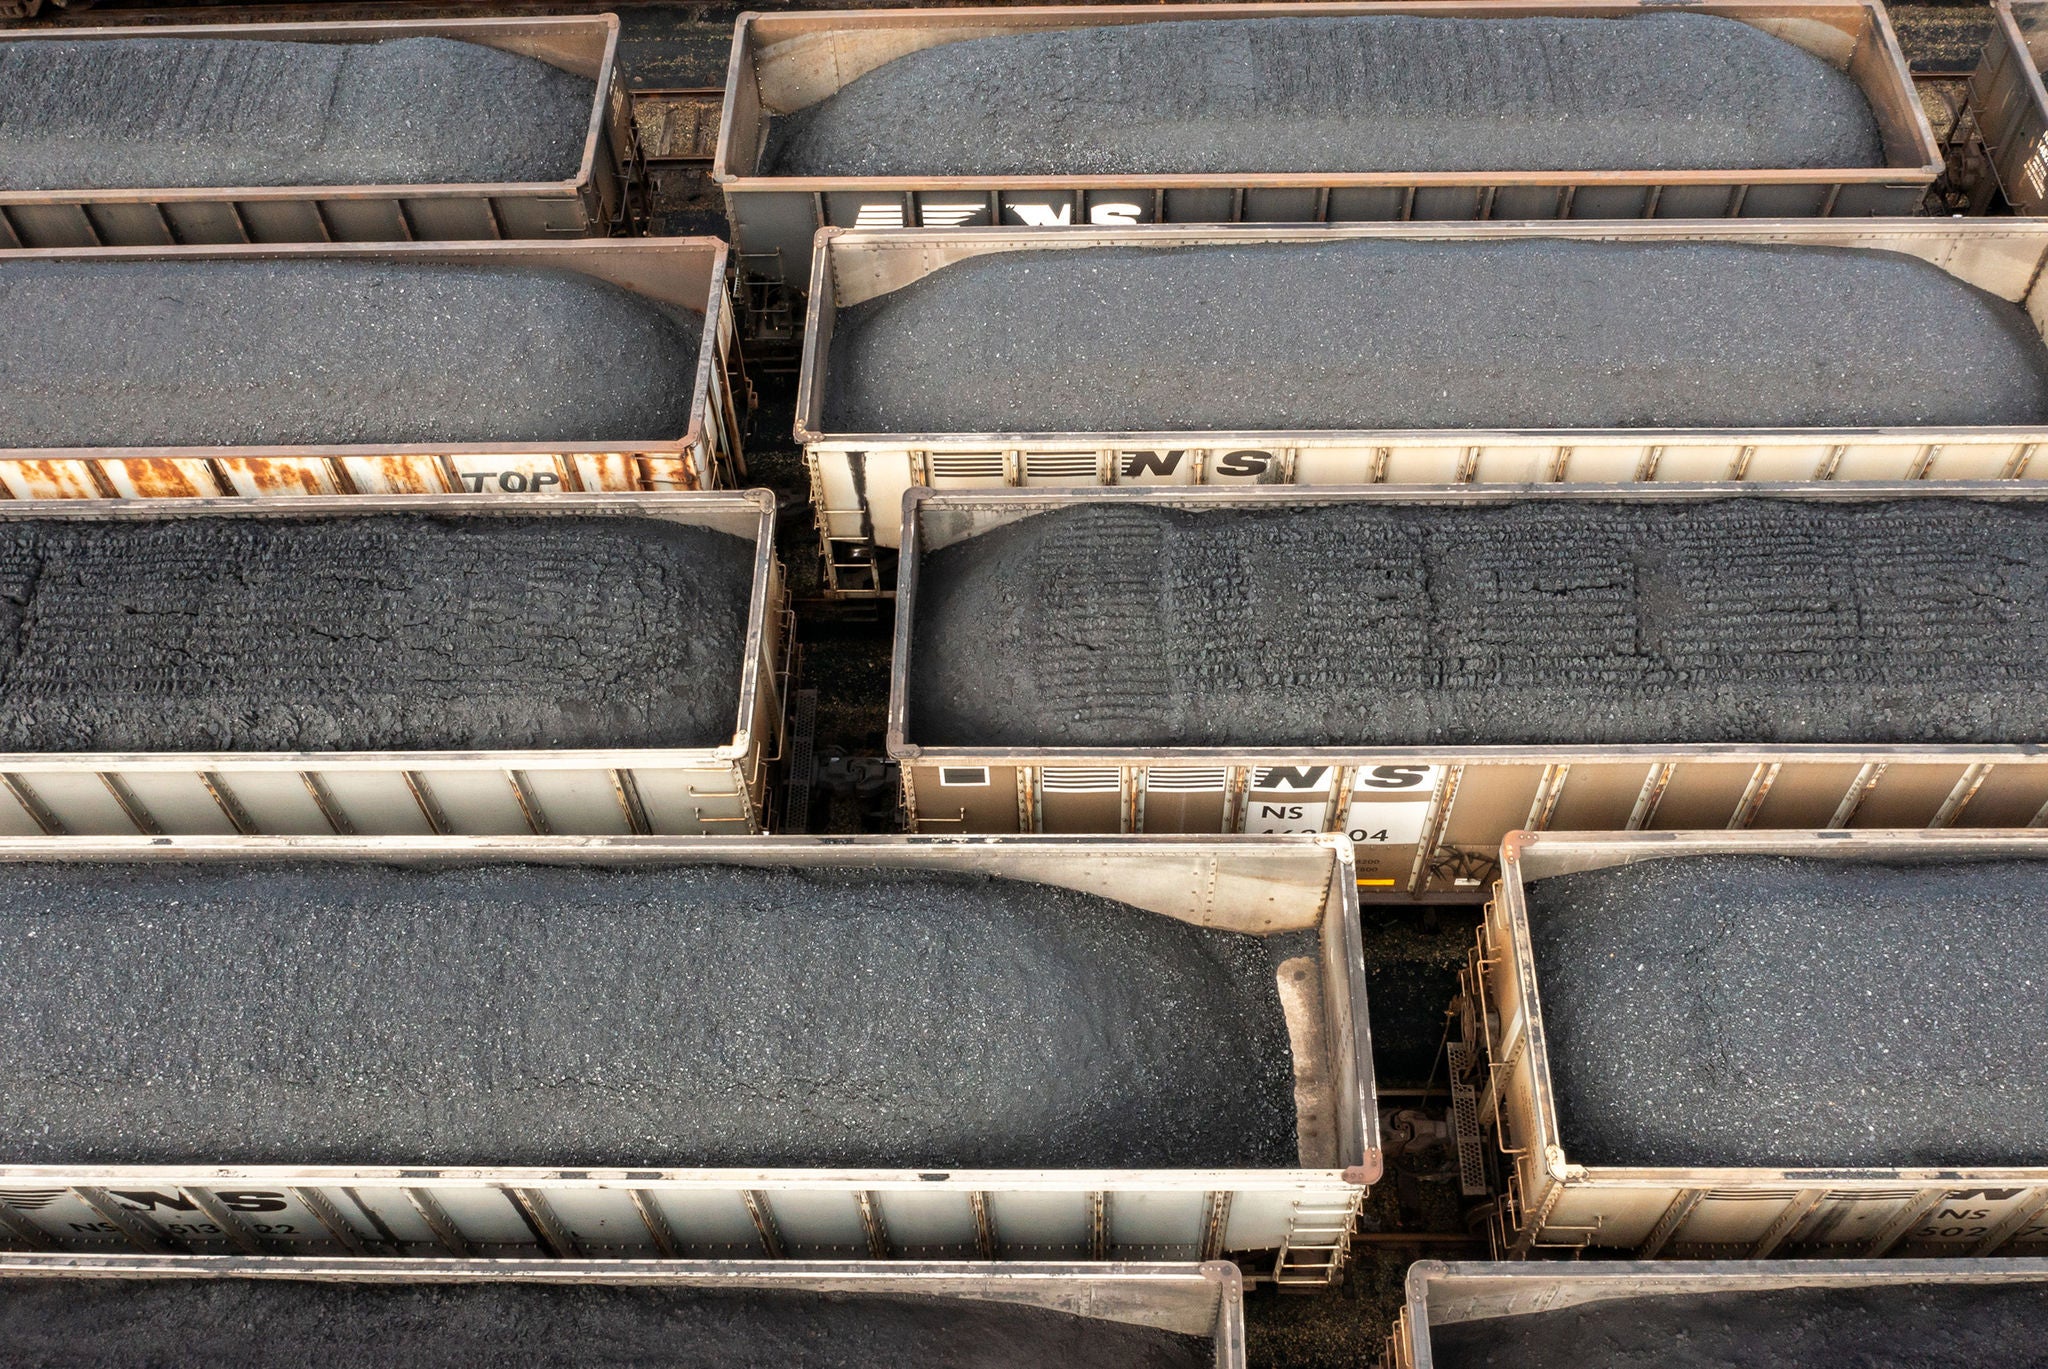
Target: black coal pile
(1379, 92)
(1894, 1326)
(1373, 334)
(1765, 1011)
(278, 1324)
(304, 352)
(386, 633)
(679, 1016)
(1529, 621)
(115, 113)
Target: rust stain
(396, 474)
(279, 475)
(670, 473)
(159, 477)
(36, 478)
(609, 472)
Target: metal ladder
(1318, 1243)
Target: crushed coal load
(387, 633)
(286, 1324)
(1795, 1013)
(1890, 1326)
(328, 353)
(675, 1016)
(1377, 334)
(1381, 92)
(1531, 621)
(119, 113)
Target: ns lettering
(1244, 465)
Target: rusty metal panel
(783, 62)
(598, 471)
(586, 205)
(31, 478)
(396, 475)
(258, 477)
(151, 477)
(673, 473)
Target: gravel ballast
(1533, 621)
(279, 1324)
(1361, 93)
(532, 1015)
(1896, 1326)
(109, 114)
(369, 634)
(1365, 334)
(1787, 1013)
(330, 353)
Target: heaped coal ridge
(1896, 1326)
(1362, 93)
(1767, 1011)
(369, 634)
(326, 353)
(1375, 334)
(279, 1324)
(1527, 622)
(115, 113)
(531, 1015)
